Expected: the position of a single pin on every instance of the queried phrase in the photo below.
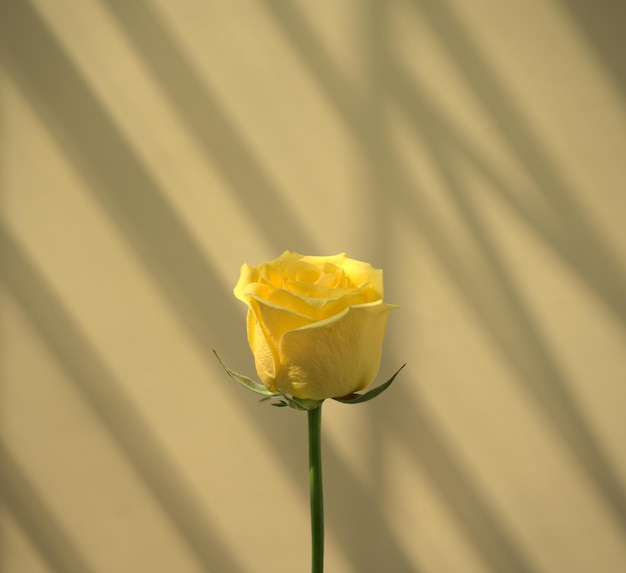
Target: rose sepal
(291, 401)
(356, 398)
(281, 398)
(305, 404)
(247, 382)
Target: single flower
(315, 324)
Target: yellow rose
(315, 324)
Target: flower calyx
(281, 400)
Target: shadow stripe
(101, 391)
(113, 172)
(201, 113)
(602, 24)
(475, 513)
(567, 231)
(143, 453)
(582, 237)
(42, 528)
(522, 345)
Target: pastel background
(476, 151)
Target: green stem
(317, 496)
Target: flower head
(315, 324)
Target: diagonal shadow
(38, 71)
(367, 125)
(201, 113)
(29, 510)
(526, 348)
(98, 386)
(602, 269)
(373, 139)
(113, 172)
(355, 501)
(141, 449)
(417, 430)
(424, 117)
(603, 24)
(208, 291)
(566, 230)
(345, 99)
(359, 523)
(520, 341)
(374, 143)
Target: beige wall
(474, 150)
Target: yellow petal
(264, 355)
(267, 323)
(247, 275)
(319, 260)
(333, 357)
(290, 301)
(361, 273)
(319, 291)
(314, 307)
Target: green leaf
(359, 398)
(247, 382)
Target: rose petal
(320, 260)
(319, 291)
(264, 355)
(277, 319)
(317, 308)
(361, 273)
(247, 275)
(333, 357)
(291, 301)
(267, 323)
